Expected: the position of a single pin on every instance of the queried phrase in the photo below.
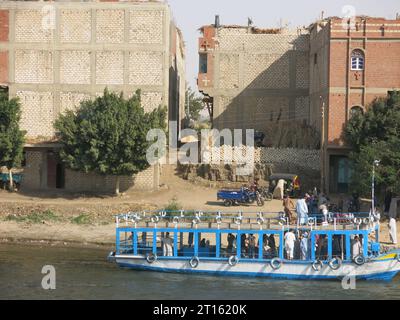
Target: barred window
(203, 63)
(357, 60)
(356, 110)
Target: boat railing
(215, 219)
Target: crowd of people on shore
(309, 205)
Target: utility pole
(375, 164)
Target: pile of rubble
(223, 172)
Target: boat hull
(385, 269)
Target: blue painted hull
(378, 271)
(386, 276)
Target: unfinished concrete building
(53, 55)
(253, 76)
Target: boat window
(269, 246)
(145, 243)
(165, 244)
(357, 242)
(186, 244)
(207, 245)
(228, 245)
(339, 246)
(321, 251)
(126, 242)
(249, 246)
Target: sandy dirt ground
(98, 227)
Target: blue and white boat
(253, 245)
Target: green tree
(108, 135)
(11, 137)
(195, 105)
(375, 135)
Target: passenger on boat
(322, 247)
(272, 245)
(230, 239)
(203, 243)
(167, 242)
(252, 246)
(357, 247)
(290, 238)
(337, 245)
(266, 248)
(297, 250)
(190, 239)
(304, 246)
(302, 210)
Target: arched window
(356, 110)
(357, 60)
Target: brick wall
(81, 182)
(255, 77)
(378, 39)
(32, 175)
(35, 173)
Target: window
(315, 58)
(357, 60)
(357, 110)
(203, 63)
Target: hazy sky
(190, 15)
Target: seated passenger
(357, 247)
(203, 243)
(252, 246)
(167, 242)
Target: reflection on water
(85, 274)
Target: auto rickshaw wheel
(228, 203)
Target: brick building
(351, 64)
(53, 55)
(250, 75)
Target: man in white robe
(393, 230)
(290, 239)
(279, 190)
(304, 245)
(392, 220)
(302, 211)
(167, 246)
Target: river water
(85, 274)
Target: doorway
(339, 174)
(55, 171)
